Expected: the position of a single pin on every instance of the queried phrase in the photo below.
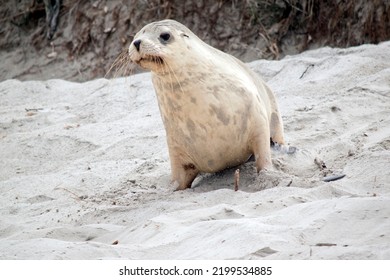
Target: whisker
(122, 65)
(173, 72)
(116, 62)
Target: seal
(217, 113)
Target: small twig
(77, 197)
(33, 109)
(326, 244)
(236, 179)
(304, 72)
(272, 46)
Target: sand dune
(85, 165)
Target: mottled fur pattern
(216, 111)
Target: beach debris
(320, 163)
(333, 177)
(236, 179)
(326, 244)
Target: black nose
(137, 44)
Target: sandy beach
(84, 171)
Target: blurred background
(80, 40)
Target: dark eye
(165, 36)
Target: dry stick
(273, 47)
(236, 179)
(72, 193)
(303, 74)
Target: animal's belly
(216, 159)
(212, 146)
(210, 127)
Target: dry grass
(262, 28)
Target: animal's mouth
(152, 59)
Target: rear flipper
(283, 148)
(277, 147)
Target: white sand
(89, 166)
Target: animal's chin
(150, 61)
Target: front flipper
(183, 175)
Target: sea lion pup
(216, 111)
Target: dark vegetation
(91, 34)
